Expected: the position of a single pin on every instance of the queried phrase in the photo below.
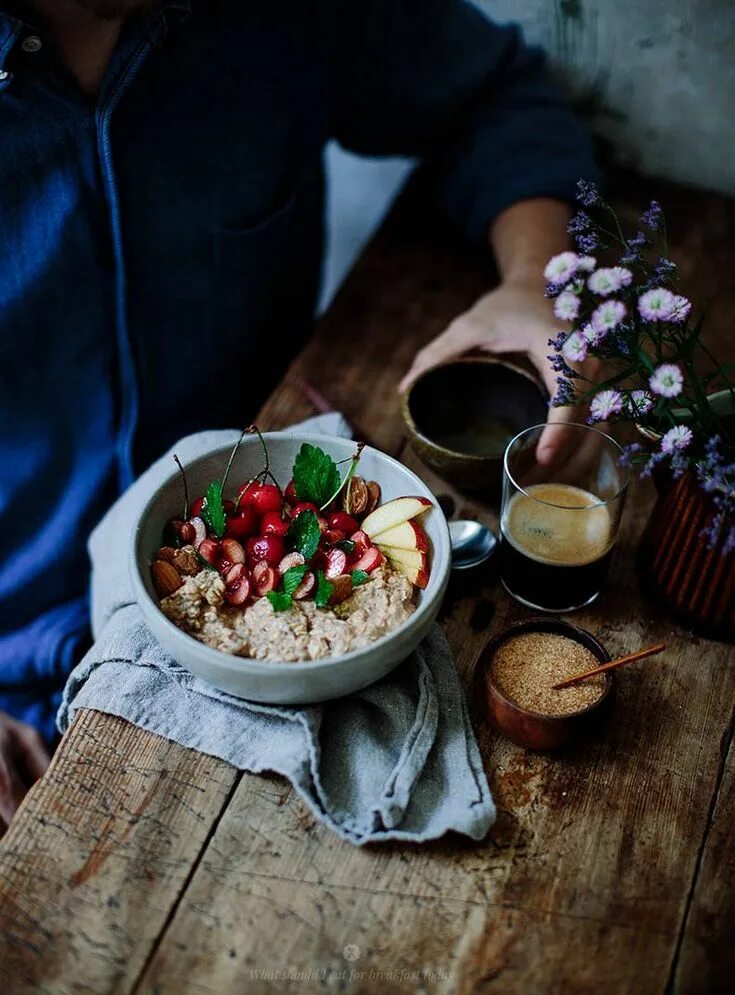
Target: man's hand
(23, 759)
(515, 317)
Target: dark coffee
(556, 546)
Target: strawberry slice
(237, 585)
(369, 561)
(265, 578)
(336, 563)
(306, 586)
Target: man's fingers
(30, 751)
(12, 789)
(458, 338)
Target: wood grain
(98, 854)
(138, 865)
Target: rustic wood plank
(707, 959)
(605, 837)
(583, 883)
(98, 855)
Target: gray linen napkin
(397, 760)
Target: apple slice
(407, 535)
(410, 562)
(393, 513)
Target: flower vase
(695, 582)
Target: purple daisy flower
(653, 217)
(575, 348)
(605, 404)
(667, 380)
(656, 304)
(676, 438)
(608, 316)
(680, 308)
(566, 306)
(587, 242)
(585, 264)
(639, 402)
(608, 279)
(561, 268)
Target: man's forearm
(526, 235)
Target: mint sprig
(324, 590)
(213, 512)
(359, 577)
(303, 534)
(282, 599)
(315, 475)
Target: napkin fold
(395, 761)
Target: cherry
(209, 550)
(362, 542)
(290, 493)
(269, 548)
(342, 521)
(237, 585)
(229, 506)
(196, 508)
(246, 493)
(336, 563)
(308, 582)
(369, 560)
(242, 525)
(272, 524)
(290, 560)
(265, 578)
(303, 506)
(267, 498)
(333, 536)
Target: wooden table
(138, 865)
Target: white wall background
(657, 78)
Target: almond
(341, 589)
(355, 497)
(166, 553)
(373, 496)
(166, 578)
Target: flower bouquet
(630, 317)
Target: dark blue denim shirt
(160, 244)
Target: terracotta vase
(695, 582)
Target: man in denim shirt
(161, 236)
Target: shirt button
(32, 44)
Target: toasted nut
(166, 578)
(373, 496)
(355, 497)
(341, 589)
(166, 553)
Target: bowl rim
(249, 665)
(557, 626)
(462, 361)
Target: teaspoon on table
(472, 543)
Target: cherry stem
(186, 487)
(232, 457)
(348, 476)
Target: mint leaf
(281, 602)
(292, 578)
(346, 545)
(205, 563)
(359, 577)
(213, 512)
(303, 534)
(324, 590)
(315, 475)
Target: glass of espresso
(559, 520)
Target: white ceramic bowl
(280, 682)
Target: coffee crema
(558, 524)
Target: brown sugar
(525, 667)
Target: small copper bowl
(461, 415)
(534, 730)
